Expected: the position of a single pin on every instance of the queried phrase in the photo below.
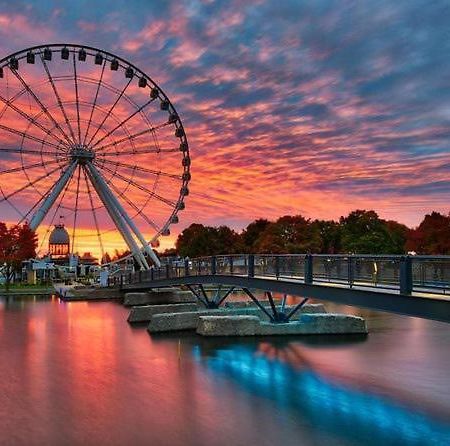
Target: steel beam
(125, 216)
(116, 217)
(40, 214)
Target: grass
(24, 286)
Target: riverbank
(27, 290)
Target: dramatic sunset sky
(312, 107)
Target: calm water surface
(78, 374)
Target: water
(78, 374)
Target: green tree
(198, 240)
(364, 232)
(252, 232)
(398, 234)
(330, 236)
(289, 234)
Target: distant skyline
(314, 108)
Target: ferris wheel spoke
(75, 215)
(134, 136)
(58, 207)
(58, 97)
(139, 186)
(143, 169)
(75, 78)
(118, 215)
(94, 104)
(31, 152)
(41, 105)
(30, 137)
(43, 197)
(94, 213)
(33, 121)
(29, 166)
(124, 218)
(139, 110)
(110, 111)
(140, 152)
(136, 208)
(64, 178)
(29, 184)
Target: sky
(290, 107)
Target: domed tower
(59, 243)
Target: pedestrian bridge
(409, 285)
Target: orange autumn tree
(17, 243)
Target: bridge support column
(251, 265)
(406, 277)
(308, 269)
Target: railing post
(152, 274)
(231, 265)
(277, 266)
(121, 280)
(350, 271)
(406, 277)
(213, 265)
(251, 265)
(140, 276)
(308, 269)
(186, 267)
(167, 271)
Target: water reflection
(77, 373)
(356, 416)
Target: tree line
(360, 232)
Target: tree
(364, 232)
(398, 234)
(432, 236)
(289, 234)
(252, 232)
(169, 252)
(106, 258)
(330, 236)
(198, 240)
(17, 243)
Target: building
(59, 245)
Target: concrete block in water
(144, 313)
(87, 293)
(255, 311)
(176, 297)
(158, 296)
(175, 321)
(228, 325)
(309, 324)
(189, 320)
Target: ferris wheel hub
(82, 154)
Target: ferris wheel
(86, 135)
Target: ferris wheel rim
(108, 56)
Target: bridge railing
(431, 273)
(403, 273)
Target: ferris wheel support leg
(124, 214)
(117, 219)
(40, 214)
